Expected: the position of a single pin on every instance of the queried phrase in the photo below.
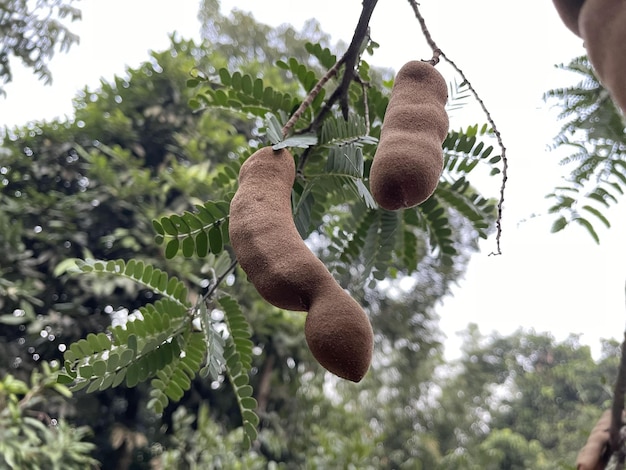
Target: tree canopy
(125, 320)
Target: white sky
(562, 283)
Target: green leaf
(215, 239)
(224, 76)
(192, 221)
(300, 141)
(64, 379)
(158, 228)
(188, 247)
(245, 391)
(94, 344)
(171, 248)
(598, 214)
(202, 244)
(13, 320)
(246, 84)
(168, 226)
(251, 417)
(585, 223)
(85, 371)
(99, 368)
(95, 385)
(273, 128)
(258, 88)
(119, 378)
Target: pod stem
(437, 53)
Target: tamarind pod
(569, 11)
(602, 25)
(263, 234)
(592, 455)
(285, 271)
(408, 162)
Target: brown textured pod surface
(339, 334)
(591, 455)
(569, 10)
(286, 273)
(409, 159)
(602, 25)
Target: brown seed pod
(287, 274)
(409, 159)
(593, 455)
(569, 10)
(602, 25)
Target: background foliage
(115, 269)
(594, 133)
(32, 32)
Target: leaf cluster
(197, 234)
(594, 133)
(32, 33)
(29, 438)
(162, 342)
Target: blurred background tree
(32, 32)
(136, 150)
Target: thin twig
(437, 52)
(218, 281)
(505, 162)
(311, 96)
(426, 33)
(361, 32)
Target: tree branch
(353, 53)
(349, 59)
(216, 282)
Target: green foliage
(243, 94)
(520, 401)
(594, 132)
(29, 439)
(199, 234)
(174, 378)
(199, 443)
(463, 151)
(162, 344)
(238, 359)
(337, 132)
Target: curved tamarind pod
(602, 25)
(409, 160)
(569, 11)
(287, 274)
(260, 216)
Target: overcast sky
(562, 283)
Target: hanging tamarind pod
(285, 271)
(409, 159)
